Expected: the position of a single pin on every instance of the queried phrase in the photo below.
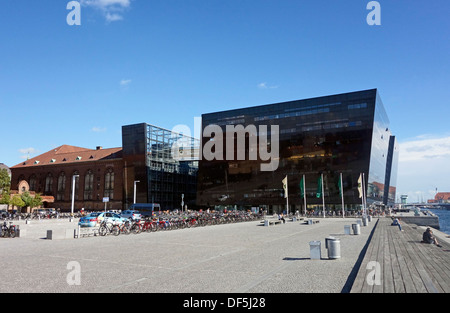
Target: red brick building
(100, 174)
(441, 197)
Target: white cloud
(111, 9)
(423, 167)
(27, 152)
(98, 129)
(106, 4)
(425, 148)
(113, 17)
(125, 82)
(265, 86)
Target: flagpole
(342, 196)
(304, 193)
(364, 195)
(323, 197)
(287, 198)
(286, 193)
(361, 192)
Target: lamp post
(73, 196)
(134, 198)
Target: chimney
(99, 148)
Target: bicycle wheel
(102, 231)
(136, 229)
(115, 230)
(126, 230)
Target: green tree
(17, 201)
(37, 201)
(30, 201)
(5, 197)
(5, 180)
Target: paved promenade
(231, 258)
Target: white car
(111, 217)
(131, 214)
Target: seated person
(396, 222)
(429, 238)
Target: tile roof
(442, 196)
(70, 154)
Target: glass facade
(152, 157)
(391, 172)
(347, 133)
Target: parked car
(146, 209)
(90, 220)
(41, 211)
(131, 214)
(111, 217)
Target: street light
(73, 196)
(134, 198)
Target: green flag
(319, 187)
(302, 190)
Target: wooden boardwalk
(397, 262)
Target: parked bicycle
(136, 227)
(125, 228)
(147, 225)
(8, 231)
(108, 228)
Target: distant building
(110, 173)
(100, 174)
(148, 156)
(346, 133)
(403, 199)
(4, 166)
(441, 197)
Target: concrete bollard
(315, 251)
(334, 248)
(60, 234)
(347, 229)
(365, 221)
(356, 229)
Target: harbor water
(444, 219)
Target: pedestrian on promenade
(429, 238)
(281, 218)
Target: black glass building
(346, 133)
(152, 158)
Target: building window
(49, 184)
(33, 181)
(61, 187)
(88, 185)
(109, 184)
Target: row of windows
(88, 185)
(293, 112)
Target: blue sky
(165, 62)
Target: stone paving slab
(232, 258)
